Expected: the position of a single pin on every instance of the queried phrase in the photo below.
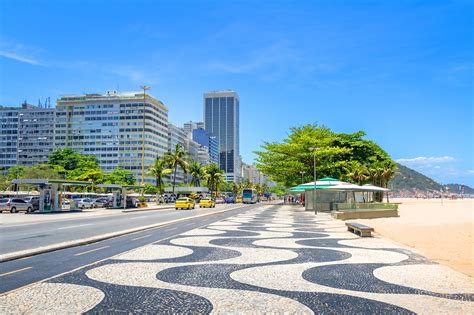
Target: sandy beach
(441, 232)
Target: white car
(85, 203)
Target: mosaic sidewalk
(276, 259)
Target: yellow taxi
(207, 203)
(238, 199)
(184, 203)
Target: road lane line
(15, 271)
(74, 226)
(170, 229)
(139, 238)
(143, 216)
(92, 250)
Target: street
(18, 237)
(260, 258)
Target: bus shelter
(50, 192)
(120, 193)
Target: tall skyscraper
(110, 126)
(221, 120)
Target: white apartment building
(114, 127)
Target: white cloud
(422, 160)
(19, 57)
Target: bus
(249, 195)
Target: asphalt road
(17, 273)
(18, 237)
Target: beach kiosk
(50, 192)
(119, 194)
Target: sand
(441, 232)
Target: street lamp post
(302, 173)
(313, 150)
(144, 88)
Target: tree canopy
(338, 155)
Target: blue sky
(402, 71)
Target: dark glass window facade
(221, 121)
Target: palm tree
(357, 172)
(159, 170)
(388, 172)
(214, 177)
(174, 159)
(197, 171)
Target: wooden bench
(359, 229)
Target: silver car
(85, 203)
(15, 205)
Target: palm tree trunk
(174, 177)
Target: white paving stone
(152, 252)
(435, 278)
(51, 298)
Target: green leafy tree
(336, 156)
(150, 189)
(175, 159)
(278, 189)
(67, 158)
(119, 176)
(214, 176)
(16, 172)
(159, 170)
(197, 172)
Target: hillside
(408, 179)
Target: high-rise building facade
(191, 125)
(8, 136)
(221, 120)
(35, 134)
(202, 137)
(113, 127)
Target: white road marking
(171, 229)
(139, 238)
(74, 226)
(15, 271)
(90, 251)
(143, 216)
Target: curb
(147, 209)
(94, 239)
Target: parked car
(66, 204)
(101, 202)
(84, 203)
(207, 203)
(184, 203)
(34, 200)
(238, 199)
(220, 200)
(15, 205)
(230, 200)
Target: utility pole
(313, 150)
(144, 88)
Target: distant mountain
(408, 179)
